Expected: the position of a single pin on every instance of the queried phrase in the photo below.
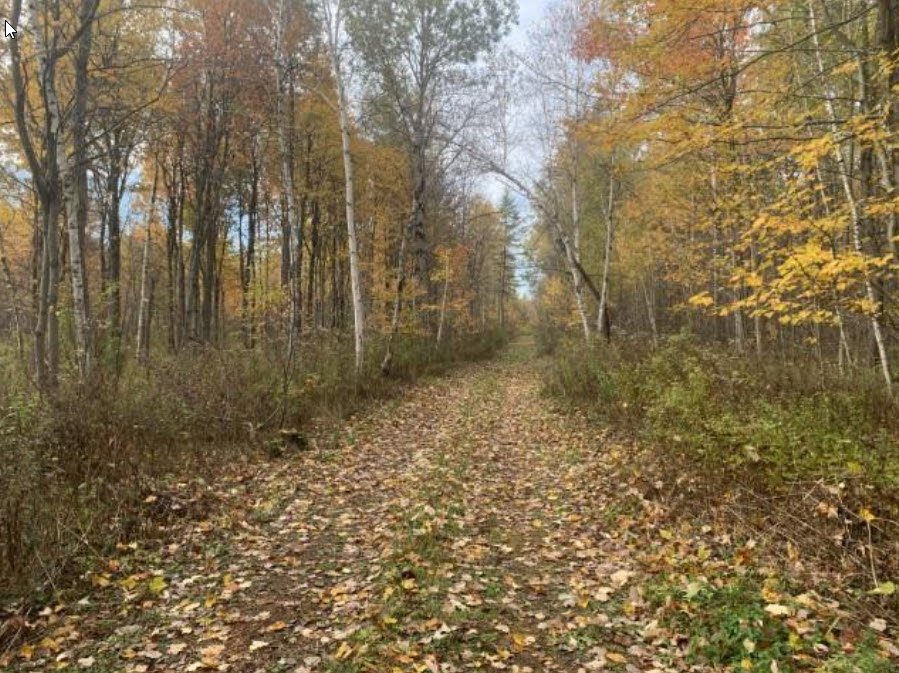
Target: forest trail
(464, 526)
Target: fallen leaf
(885, 589)
(879, 625)
(777, 610)
(156, 585)
(343, 652)
(621, 577)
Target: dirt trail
(465, 526)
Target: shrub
(75, 470)
(785, 451)
(728, 412)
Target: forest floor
(467, 525)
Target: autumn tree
(420, 61)
(784, 219)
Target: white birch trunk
(334, 27)
(576, 252)
(72, 173)
(142, 349)
(854, 209)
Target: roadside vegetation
(97, 466)
(794, 457)
(715, 276)
(225, 226)
(738, 417)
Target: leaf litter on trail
(468, 527)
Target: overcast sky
(529, 11)
(529, 14)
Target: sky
(529, 14)
(528, 11)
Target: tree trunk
(313, 272)
(446, 282)
(45, 173)
(73, 175)
(604, 323)
(290, 217)
(855, 211)
(502, 283)
(419, 194)
(334, 28)
(888, 31)
(143, 316)
(174, 260)
(113, 275)
(249, 263)
(575, 252)
(46, 336)
(143, 346)
(650, 300)
(387, 362)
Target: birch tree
(46, 130)
(333, 12)
(73, 175)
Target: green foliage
(548, 337)
(725, 412)
(728, 623)
(865, 660)
(420, 357)
(576, 374)
(728, 626)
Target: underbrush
(800, 455)
(86, 470)
(780, 421)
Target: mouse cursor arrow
(9, 30)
